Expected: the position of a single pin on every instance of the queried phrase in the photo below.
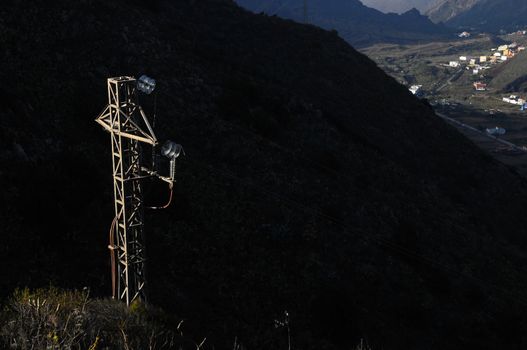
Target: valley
(437, 74)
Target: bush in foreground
(54, 319)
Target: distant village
(478, 64)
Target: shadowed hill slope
(313, 182)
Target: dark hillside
(313, 182)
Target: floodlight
(146, 84)
(172, 150)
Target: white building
(514, 99)
(463, 58)
(497, 131)
(454, 64)
(415, 89)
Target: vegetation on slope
(313, 182)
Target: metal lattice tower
(129, 128)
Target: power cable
(153, 128)
(112, 248)
(171, 191)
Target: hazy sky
(399, 5)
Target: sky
(398, 5)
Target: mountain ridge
(398, 6)
(356, 23)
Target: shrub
(55, 319)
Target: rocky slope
(445, 10)
(313, 182)
(493, 15)
(398, 6)
(356, 23)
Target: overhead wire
(171, 192)
(171, 189)
(153, 127)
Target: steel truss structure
(129, 128)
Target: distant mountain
(444, 10)
(399, 6)
(356, 23)
(493, 15)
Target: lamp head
(146, 84)
(171, 150)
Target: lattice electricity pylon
(129, 128)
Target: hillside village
(478, 65)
